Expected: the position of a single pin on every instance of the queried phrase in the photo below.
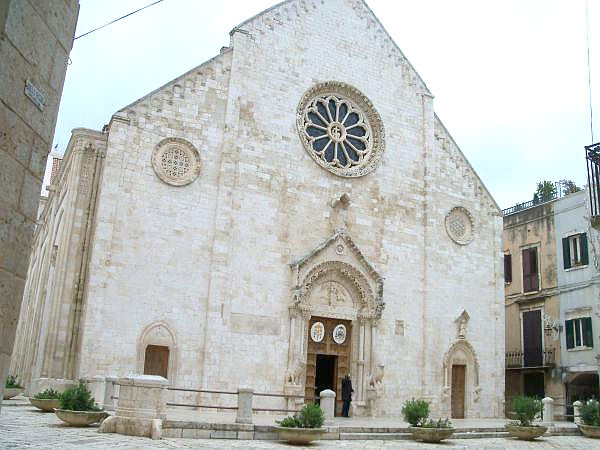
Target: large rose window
(340, 129)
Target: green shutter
(588, 337)
(566, 253)
(569, 333)
(584, 249)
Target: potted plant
(590, 416)
(12, 388)
(77, 407)
(47, 400)
(526, 409)
(416, 412)
(303, 427)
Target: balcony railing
(592, 156)
(520, 360)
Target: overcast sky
(509, 77)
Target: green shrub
(440, 423)
(415, 412)
(48, 394)
(11, 382)
(590, 413)
(310, 416)
(526, 409)
(78, 398)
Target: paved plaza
(24, 427)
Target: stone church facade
(290, 211)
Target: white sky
(509, 77)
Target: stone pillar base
(132, 426)
(141, 407)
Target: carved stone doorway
(328, 359)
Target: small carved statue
(296, 375)
(376, 378)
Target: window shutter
(526, 280)
(566, 253)
(507, 268)
(569, 333)
(584, 249)
(588, 337)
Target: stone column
(244, 411)
(141, 407)
(548, 410)
(328, 404)
(96, 386)
(577, 412)
(109, 392)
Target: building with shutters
(285, 213)
(552, 291)
(531, 302)
(579, 287)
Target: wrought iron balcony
(526, 360)
(592, 156)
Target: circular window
(176, 161)
(340, 129)
(459, 225)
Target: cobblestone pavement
(25, 427)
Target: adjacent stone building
(290, 211)
(551, 285)
(532, 303)
(35, 41)
(578, 245)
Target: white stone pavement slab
(24, 427)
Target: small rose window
(340, 129)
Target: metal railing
(517, 359)
(530, 204)
(592, 157)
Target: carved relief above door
(338, 285)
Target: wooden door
(328, 347)
(458, 392)
(532, 339)
(156, 361)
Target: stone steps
(205, 430)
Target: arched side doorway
(461, 380)
(157, 351)
(335, 288)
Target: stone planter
(590, 431)
(526, 433)
(299, 436)
(431, 434)
(45, 404)
(80, 418)
(12, 392)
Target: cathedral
(285, 214)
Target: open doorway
(325, 373)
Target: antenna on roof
(587, 35)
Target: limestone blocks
(141, 407)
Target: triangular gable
(275, 9)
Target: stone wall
(35, 40)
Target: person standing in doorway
(346, 395)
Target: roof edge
(469, 164)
